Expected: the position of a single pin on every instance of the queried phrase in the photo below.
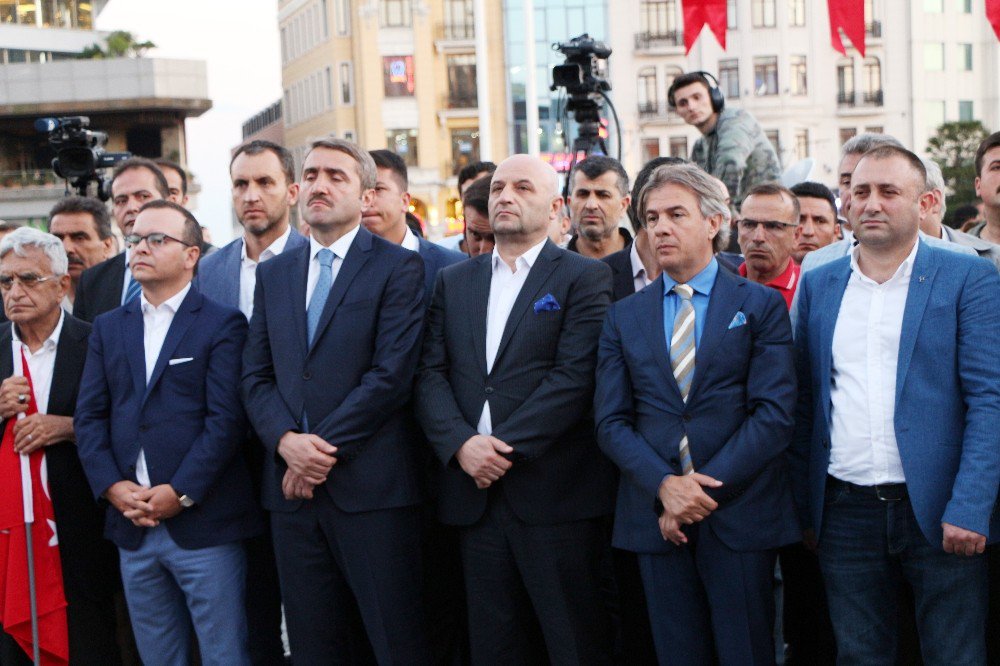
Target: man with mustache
(818, 223)
(988, 188)
(84, 227)
(769, 217)
(598, 201)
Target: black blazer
(540, 388)
(621, 265)
(100, 288)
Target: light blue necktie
(133, 290)
(321, 292)
(682, 357)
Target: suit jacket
(352, 382)
(984, 249)
(539, 389)
(738, 416)
(435, 258)
(188, 420)
(621, 268)
(100, 288)
(947, 403)
(219, 273)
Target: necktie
(321, 292)
(682, 358)
(133, 290)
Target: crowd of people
(646, 424)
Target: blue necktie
(133, 290)
(682, 358)
(321, 292)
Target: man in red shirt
(766, 228)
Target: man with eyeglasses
(161, 431)
(766, 229)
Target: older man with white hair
(42, 353)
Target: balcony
(645, 41)
(648, 110)
(461, 100)
(657, 112)
(873, 29)
(871, 98)
(845, 98)
(456, 31)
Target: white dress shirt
(248, 270)
(41, 364)
(410, 241)
(863, 448)
(505, 285)
(639, 278)
(156, 322)
(339, 249)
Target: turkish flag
(21, 477)
(993, 15)
(698, 14)
(849, 15)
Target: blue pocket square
(739, 320)
(547, 303)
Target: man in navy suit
(896, 453)
(160, 429)
(263, 190)
(694, 402)
(327, 374)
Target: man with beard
(84, 227)
(598, 200)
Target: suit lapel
(295, 301)
(113, 296)
(921, 282)
(357, 256)
(653, 328)
(728, 295)
(182, 321)
(828, 301)
(232, 269)
(482, 276)
(133, 341)
(539, 273)
(71, 353)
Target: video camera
(581, 73)
(80, 153)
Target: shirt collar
(339, 247)
(410, 241)
(272, 250)
(702, 283)
(526, 260)
(785, 281)
(637, 267)
(52, 340)
(903, 272)
(172, 303)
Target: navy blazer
(188, 420)
(621, 265)
(100, 288)
(738, 416)
(353, 381)
(435, 258)
(947, 390)
(219, 273)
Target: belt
(887, 492)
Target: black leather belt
(887, 492)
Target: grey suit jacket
(984, 249)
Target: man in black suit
(109, 284)
(34, 279)
(509, 420)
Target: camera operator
(733, 147)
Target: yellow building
(402, 75)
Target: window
(729, 78)
(731, 14)
(774, 138)
(679, 147)
(966, 6)
(765, 75)
(346, 83)
(284, 45)
(397, 76)
(875, 129)
(798, 75)
(965, 110)
(935, 114)
(395, 14)
(845, 83)
(801, 144)
(464, 148)
(934, 57)
(965, 57)
(646, 91)
(658, 18)
(796, 13)
(650, 149)
(847, 133)
(462, 82)
(343, 10)
(672, 73)
(934, 6)
(349, 135)
(458, 20)
(324, 19)
(403, 142)
(328, 87)
(762, 13)
(872, 82)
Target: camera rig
(80, 154)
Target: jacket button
(307, 375)
(686, 417)
(143, 428)
(675, 461)
(489, 389)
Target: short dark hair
(640, 182)
(413, 222)
(258, 146)
(386, 159)
(813, 190)
(192, 230)
(963, 214)
(470, 171)
(170, 164)
(775, 189)
(477, 196)
(596, 166)
(97, 210)
(888, 151)
(685, 80)
(142, 163)
(988, 144)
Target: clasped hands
(684, 503)
(481, 458)
(145, 507)
(309, 458)
(34, 431)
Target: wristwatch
(186, 502)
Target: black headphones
(714, 94)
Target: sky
(238, 39)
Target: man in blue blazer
(896, 456)
(694, 402)
(160, 430)
(264, 190)
(327, 373)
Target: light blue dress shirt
(702, 284)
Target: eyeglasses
(770, 226)
(26, 280)
(155, 241)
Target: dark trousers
(709, 604)
(337, 568)
(444, 593)
(633, 635)
(808, 634)
(518, 574)
(868, 549)
(263, 602)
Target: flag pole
(28, 498)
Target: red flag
(993, 15)
(698, 14)
(848, 15)
(15, 605)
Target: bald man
(508, 417)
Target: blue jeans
(868, 548)
(168, 588)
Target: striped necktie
(682, 358)
(133, 290)
(320, 292)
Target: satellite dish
(798, 172)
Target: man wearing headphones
(733, 147)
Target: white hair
(19, 240)
(935, 181)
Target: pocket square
(739, 320)
(178, 361)
(547, 303)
